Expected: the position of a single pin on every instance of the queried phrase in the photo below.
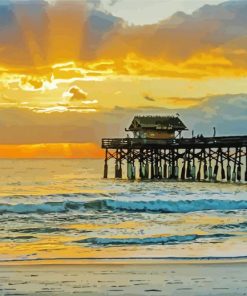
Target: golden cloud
(62, 109)
(88, 44)
(77, 95)
(28, 83)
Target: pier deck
(197, 158)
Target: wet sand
(125, 279)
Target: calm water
(61, 209)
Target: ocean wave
(163, 240)
(71, 195)
(240, 226)
(49, 230)
(23, 238)
(43, 208)
(161, 206)
(41, 230)
(154, 206)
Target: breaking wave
(236, 226)
(155, 206)
(165, 240)
(43, 208)
(181, 206)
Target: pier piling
(195, 159)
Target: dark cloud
(76, 94)
(149, 98)
(228, 113)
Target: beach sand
(125, 279)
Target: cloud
(149, 98)
(176, 102)
(211, 42)
(28, 83)
(183, 102)
(229, 117)
(51, 46)
(63, 108)
(76, 94)
(31, 84)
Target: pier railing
(196, 142)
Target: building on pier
(156, 127)
(174, 158)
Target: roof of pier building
(168, 123)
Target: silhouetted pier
(196, 159)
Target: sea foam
(154, 206)
(180, 206)
(162, 240)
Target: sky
(73, 72)
(141, 12)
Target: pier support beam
(184, 166)
(193, 169)
(198, 177)
(118, 164)
(228, 168)
(223, 174)
(239, 165)
(245, 164)
(152, 164)
(205, 167)
(164, 165)
(234, 173)
(146, 170)
(210, 168)
(216, 167)
(106, 165)
(180, 159)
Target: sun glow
(59, 150)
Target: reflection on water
(63, 209)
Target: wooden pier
(196, 159)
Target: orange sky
(59, 150)
(73, 72)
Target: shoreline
(126, 279)
(125, 261)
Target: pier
(176, 158)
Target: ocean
(64, 210)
